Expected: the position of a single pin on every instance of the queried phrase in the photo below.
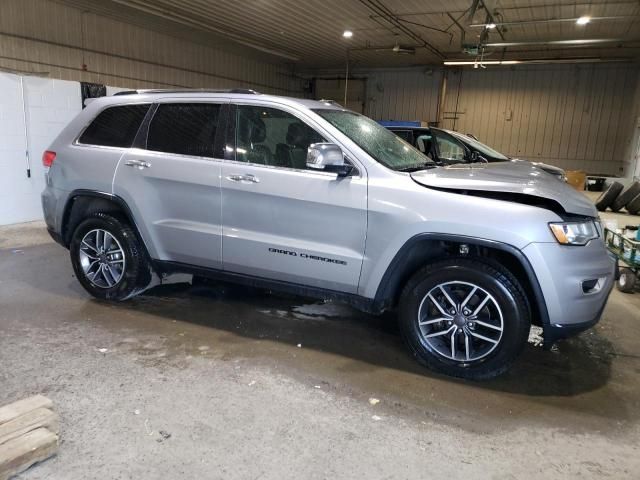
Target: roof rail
(187, 90)
(332, 102)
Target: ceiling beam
(379, 8)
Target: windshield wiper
(420, 166)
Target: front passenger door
(282, 221)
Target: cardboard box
(577, 179)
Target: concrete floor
(254, 385)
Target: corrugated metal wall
(48, 38)
(572, 116)
(575, 117)
(403, 94)
(633, 147)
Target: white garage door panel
(50, 105)
(13, 144)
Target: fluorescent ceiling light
(486, 62)
(490, 25)
(581, 41)
(534, 61)
(347, 34)
(583, 20)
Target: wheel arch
(85, 202)
(429, 247)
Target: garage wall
(573, 116)
(32, 113)
(576, 117)
(58, 41)
(333, 89)
(633, 147)
(410, 94)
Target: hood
(524, 179)
(553, 170)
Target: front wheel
(108, 259)
(465, 317)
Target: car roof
(140, 96)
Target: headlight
(574, 233)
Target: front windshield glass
(383, 145)
(481, 147)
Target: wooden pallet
(28, 434)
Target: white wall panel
(13, 146)
(48, 106)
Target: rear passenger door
(281, 220)
(171, 181)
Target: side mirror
(327, 157)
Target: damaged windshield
(383, 145)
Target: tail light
(48, 157)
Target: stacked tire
(616, 197)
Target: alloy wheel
(460, 321)
(102, 258)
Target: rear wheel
(108, 259)
(465, 317)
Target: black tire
(633, 207)
(608, 196)
(627, 281)
(492, 278)
(136, 274)
(626, 196)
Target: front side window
(269, 136)
(184, 128)
(115, 126)
(449, 149)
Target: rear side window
(184, 128)
(115, 126)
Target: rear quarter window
(115, 126)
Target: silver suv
(307, 197)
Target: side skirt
(363, 304)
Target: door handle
(139, 164)
(246, 178)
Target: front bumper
(564, 274)
(554, 332)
